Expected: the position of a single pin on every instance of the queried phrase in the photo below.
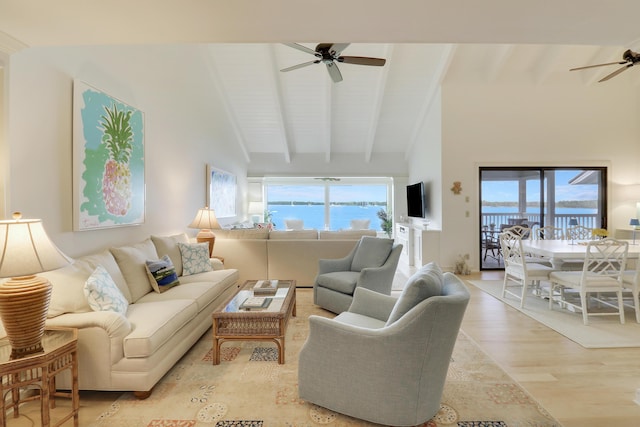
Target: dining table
(560, 251)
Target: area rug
(602, 332)
(249, 388)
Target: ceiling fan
(329, 54)
(629, 59)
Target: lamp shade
(573, 221)
(205, 220)
(634, 221)
(25, 248)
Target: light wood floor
(579, 387)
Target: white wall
(425, 163)
(185, 129)
(527, 124)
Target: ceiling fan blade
(362, 60)
(300, 47)
(295, 67)
(337, 48)
(615, 73)
(334, 72)
(598, 65)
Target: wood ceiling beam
(328, 118)
(208, 56)
(275, 78)
(438, 76)
(375, 116)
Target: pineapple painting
(116, 180)
(109, 187)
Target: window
(535, 197)
(328, 203)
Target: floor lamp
(634, 222)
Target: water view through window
(535, 197)
(329, 206)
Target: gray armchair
(386, 360)
(371, 264)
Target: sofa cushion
(340, 281)
(360, 320)
(250, 233)
(203, 292)
(162, 274)
(195, 258)
(168, 245)
(131, 260)
(103, 294)
(423, 284)
(153, 323)
(68, 282)
(372, 252)
(294, 235)
(345, 234)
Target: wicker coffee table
(231, 322)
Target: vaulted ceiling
(374, 109)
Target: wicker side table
(38, 372)
(231, 323)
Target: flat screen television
(415, 200)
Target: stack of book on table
(255, 303)
(265, 287)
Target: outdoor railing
(559, 220)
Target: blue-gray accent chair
(371, 264)
(386, 359)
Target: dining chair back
(579, 232)
(521, 230)
(549, 232)
(517, 271)
(602, 272)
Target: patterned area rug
(250, 388)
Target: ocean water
(313, 215)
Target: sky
(339, 193)
(501, 191)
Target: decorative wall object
(108, 160)
(457, 187)
(221, 195)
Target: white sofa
(132, 352)
(292, 254)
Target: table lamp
(572, 223)
(205, 220)
(25, 249)
(635, 223)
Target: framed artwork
(221, 194)
(108, 161)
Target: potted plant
(386, 221)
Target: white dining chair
(604, 262)
(517, 271)
(631, 283)
(549, 232)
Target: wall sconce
(205, 220)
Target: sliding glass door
(535, 197)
